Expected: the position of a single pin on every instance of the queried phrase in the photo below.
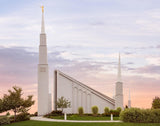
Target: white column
(76, 100)
(72, 103)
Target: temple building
(79, 94)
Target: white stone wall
(43, 89)
(80, 95)
(119, 95)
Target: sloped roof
(112, 101)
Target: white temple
(79, 94)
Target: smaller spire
(129, 100)
(129, 97)
(119, 69)
(42, 25)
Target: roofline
(112, 101)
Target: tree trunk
(14, 115)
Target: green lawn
(40, 123)
(77, 117)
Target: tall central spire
(44, 97)
(42, 26)
(119, 69)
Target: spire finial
(42, 26)
(42, 8)
(119, 69)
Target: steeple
(43, 74)
(119, 88)
(119, 69)
(42, 25)
(129, 99)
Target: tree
(63, 103)
(14, 101)
(156, 103)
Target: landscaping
(129, 116)
(4, 120)
(140, 115)
(84, 117)
(42, 123)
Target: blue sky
(84, 36)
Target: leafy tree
(156, 103)
(63, 103)
(7, 114)
(14, 101)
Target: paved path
(40, 118)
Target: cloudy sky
(84, 38)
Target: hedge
(20, 117)
(4, 120)
(54, 113)
(137, 115)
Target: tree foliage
(63, 103)
(156, 103)
(80, 111)
(14, 101)
(94, 110)
(119, 109)
(106, 111)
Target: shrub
(22, 117)
(35, 114)
(155, 114)
(58, 112)
(119, 109)
(4, 120)
(54, 113)
(95, 110)
(115, 112)
(106, 111)
(140, 115)
(80, 110)
(7, 114)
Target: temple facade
(79, 94)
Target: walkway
(40, 118)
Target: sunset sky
(84, 38)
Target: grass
(84, 117)
(41, 123)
